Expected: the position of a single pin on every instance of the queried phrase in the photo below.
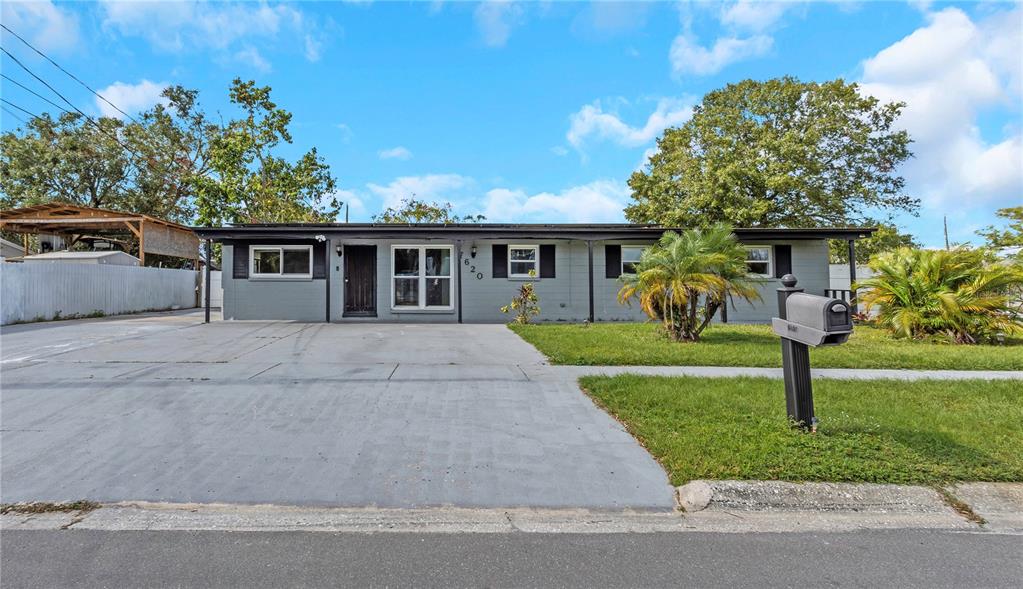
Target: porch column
(852, 276)
(589, 254)
(330, 263)
(206, 294)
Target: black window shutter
(547, 252)
(612, 261)
(500, 260)
(782, 260)
(241, 260)
(320, 261)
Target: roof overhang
(621, 232)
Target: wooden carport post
(140, 233)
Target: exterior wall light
(340, 249)
(472, 250)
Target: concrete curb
(777, 505)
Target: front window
(291, 261)
(522, 260)
(630, 258)
(421, 277)
(758, 259)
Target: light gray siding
(563, 298)
(280, 299)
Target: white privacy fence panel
(217, 294)
(30, 292)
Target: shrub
(963, 295)
(525, 303)
(685, 278)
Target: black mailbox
(806, 320)
(814, 320)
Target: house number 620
(472, 270)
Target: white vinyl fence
(32, 292)
(217, 294)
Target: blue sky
(541, 111)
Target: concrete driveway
(166, 408)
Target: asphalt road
(907, 558)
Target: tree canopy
(170, 161)
(779, 152)
(885, 239)
(248, 182)
(1012, 235)
(413, 210)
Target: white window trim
(641, 248)
(769, 260)
(423, 277)
(536, 261)
(280, 275)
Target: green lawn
(638, 344)
(921, 432)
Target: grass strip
(905, 432)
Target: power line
(10, 112)
(28, 112)
(40, 96)
(71, 104)
(73, 77)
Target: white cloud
(227, 27)
(313, 48)
(559, 150)
(495, 20)
(431, 187)
(753, 16)
(395, 153)
(251, 56)
(747, 35)
(356, 205)
(130, 98)
(689, 57)
(41, 23)
(346, 132)
(592, 121)
(596, 202)
(950, 72)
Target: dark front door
(360, 280)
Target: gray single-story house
(341, 272)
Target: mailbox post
(806, 320)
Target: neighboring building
(109, 257)
(9, 249)
(407, 273)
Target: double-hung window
(281, 261)
(421, 276)
(630, 258)
(523, 260)
(758, 259)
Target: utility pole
(944, 220)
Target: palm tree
(961, 294)
(685, 278)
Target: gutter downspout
(852, 276)
(458, 286)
